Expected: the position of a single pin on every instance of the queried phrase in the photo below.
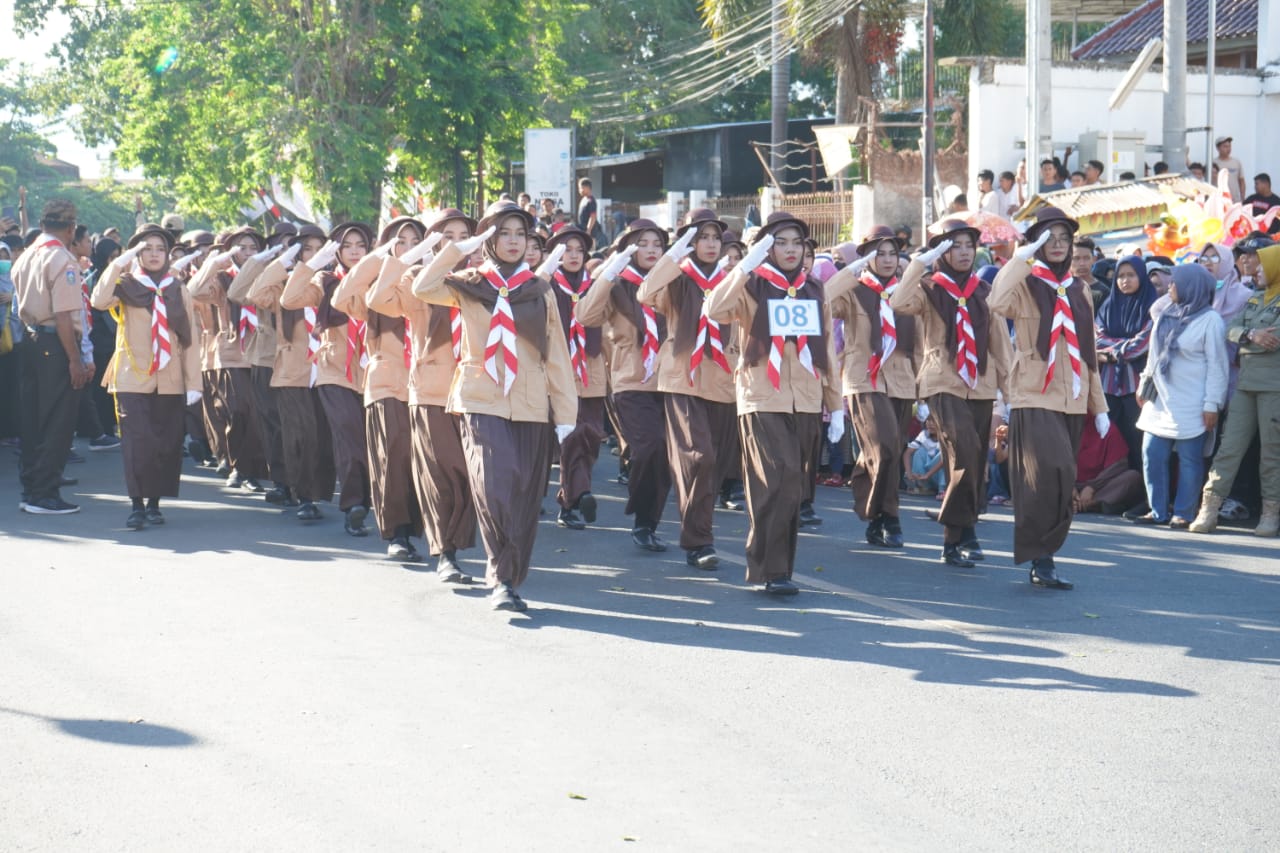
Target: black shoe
(136, 520)
(953, 556)
(647, 539)
(702, 558)
(809, 518)
(1137, 512)
(223, 468)
(234, 480)
(970, 547)
(735, 498)
(400, 549)
(570, 519)
(877, 535)
(278, 496)
(892, 531)
(308, 512)
(1147, 518)
(447, 570)
(354, 522)
(104, 442)
(155, 516)
(252, 485)
(74, 457)
(50, 506)
(504, 597)
(782, 586)
(623, 478)
(587, 506)
(68, 481)
(1045, 576)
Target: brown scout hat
(150, 229)
(500, 210)
(243, 231)
(571, 231)
(779, 220)
(699, 217)
(393, 228)
(282, 232)
(633, 231)
(875, 237)
(1047, 216)
(731, 238)
(309, 232)
(437, 221)
(340, 230)
(949, 229)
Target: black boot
(570, 519)
(647, 538)
(1045, 576)
(892, 531)
(953, 556)
(447, 570)
(587, 506)
(875, 532)
(809, 518)
(970, 547)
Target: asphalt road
(236, 680)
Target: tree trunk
(853, 71)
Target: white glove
(1025, 253)
(422, 250)
(861, 263)
(835, 431)
(323, 256)
(127, 256)
(286, 259)
(562, 432)
(617, 263)
(182, 263)
(470, 245)
(1102, 423)
(756, 254)
(385, 249)
(933, 254)
(268, 254)
(194, 397)
(683, 247)
(548, 267)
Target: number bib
(792, 317)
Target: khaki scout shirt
(621, 341)
(1010, 299)
(799, 390)
(229, 350)
(130, 368)
(937, 373)
(431, 369)
(47, 282)
(539, 387)
(304, 290)
(597, 371)
(897, 377)
(663, 289)
(291, 366)
(261, 342)
(386, 375)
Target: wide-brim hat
(777, 221)
(150, 229)
(393, 227)
(875, 237)
(699, 217)
(448, 214)
(339, 231)
(731, 238)
(199, 238)
(949, 229)
(282, 232)
(1047, 216)
(310, 232)
(568, 232)
(634, 229)
(500, 210)
(243, 231)
(539, 239)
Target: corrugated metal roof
(1109, 207)
(1128, 33)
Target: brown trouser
(233, 398)
(440, 475)
(642, 424)
(305, 443)
(1043, 446)
(345, 414)
(395, 505)
(580, 450)
(773, 448)
(702, 443)
(151, 429)
(880, 423)
(964, 431)
(264, 409)
(215, 425)
(506, 463)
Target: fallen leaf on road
(561, 550)
(1091, 615)
(574, 796)
(139, 720)
(618, 588)
(629, 838)
(819, 569)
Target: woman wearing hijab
(102, 332)
(514, 373)
(1053, 385)
(155, 371)
(633, 335)
(964, 362)
(435, 341)
(782, 382)
(1186, 377)
(695, 377)
(386, 391)
(1255, 408)
(1123, 333)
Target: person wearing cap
(232, 327)
(305, 440)
(1255, 408)
(782, 382)
(514, 376)
(1160, 271)
(878, 379)
(633, 335)
(173, 223)
(46, 279)
(579, 452)
(696, 377)
(1246, 257)
(964, 362)
(386, 390)
(439, 462)
(155, 370)
(1053, 386)
(1233, 167)
(340, 361)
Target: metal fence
(828, 213)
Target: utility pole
(927, 141)
(1039, 85)
(1211, 60)
(1174, 140)
(780, 90)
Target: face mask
(5, 266)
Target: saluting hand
(268, 254)
(1027, 252)
(548, 267)
(683, 247)
(470, 245)
(861, 263)
(323, 256)
(756, 254)
(929, 256)
(616, 263)
(287, 257)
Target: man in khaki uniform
(51, 306)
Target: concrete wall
(1246, 107)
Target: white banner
(548, 167)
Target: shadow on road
(122, 732)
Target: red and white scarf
(708, 329)
(649, 349)
(455, 332)
(774, 276)
(1064, 323)
(356, 350)
(408, 343)
(577, 331)
(502, 324)
(888, 323)
(161, 341)
(966, 345)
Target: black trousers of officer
(49, 409)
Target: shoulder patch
(72, 278)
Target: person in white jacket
(1181, 390)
